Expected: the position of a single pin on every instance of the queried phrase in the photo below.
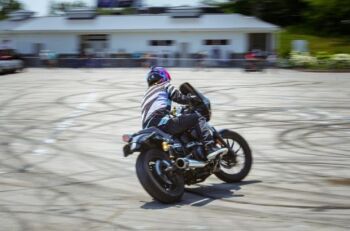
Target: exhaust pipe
(185, 163)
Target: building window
(94, 37)
(216, 42)
(161, 42)
(93, 43)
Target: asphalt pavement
(62, 168)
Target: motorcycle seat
(156, 130)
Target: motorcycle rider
(156, 106)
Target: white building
(178, 32)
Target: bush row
(321, 60)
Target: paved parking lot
(61, 164)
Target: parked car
(10, 62)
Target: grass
(316, 44)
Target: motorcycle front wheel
(235, 165)
(166, 187)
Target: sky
(42, 6)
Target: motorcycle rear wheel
(231, 172)
(150, 166)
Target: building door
(94, 44)
(258, 41)
(36, 48)
(184, 47)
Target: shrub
(340, 61)
(323, 60)
(302, 59)
(323, 55)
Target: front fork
(218, 139)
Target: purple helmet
(158, 75)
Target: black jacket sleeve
(176, 96)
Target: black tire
(247, 155)
(150, 181)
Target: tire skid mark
(128, 91)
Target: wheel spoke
(238, 150)
(227, 163)
(158, 169)
(235, 165)
(228, 142)
(231, 147)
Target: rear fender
(139, 142)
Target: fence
(140, 62)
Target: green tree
(57, 8)
(280, 12)
(311, 16)
(8, 6)
(329, 16)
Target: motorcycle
(166, 163)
